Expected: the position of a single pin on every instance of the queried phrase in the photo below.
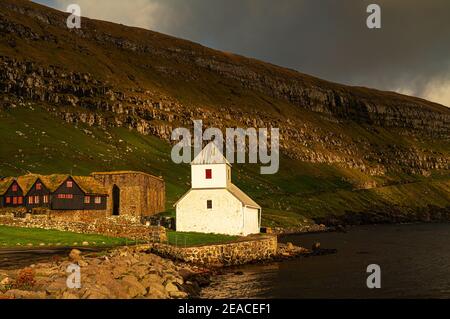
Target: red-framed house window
(8, 200)
(31, 200)
(38, 186)
(208, 173)
(20, 200)
(14, 188)
(69, 184)
(65, 196)
(15, 200)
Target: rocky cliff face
(110, 75)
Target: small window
(208, 173)
(8, 200)
(38, 186)
(87, 199)
(14, 188)
(69, 184)
(20, 200)
(15, 200)
(45, 199)
(209, 204)
(98, 200)
(36, 199)
(65, 196)
(31, 200)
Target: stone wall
(251, 249)
(140, 194)
(110, 226)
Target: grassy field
(12, 236)
(35, 141)
(193, 239)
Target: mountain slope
(345, 149)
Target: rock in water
(316, 246)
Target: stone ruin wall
(141, 195)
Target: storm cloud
(329, 39)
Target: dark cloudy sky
(326, 38)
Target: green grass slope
(33, 140)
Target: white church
(214, 204)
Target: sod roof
(5, 184)
(89, 185)
(27, 181)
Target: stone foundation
(253, 249)
(84, 222)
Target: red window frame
(15, 200)
(31, 200)
(14, 188)
(208, 173)
(65, 196)
(38, 186)
(69, 184)
(20, 200)
(8, 200)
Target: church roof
(210, 155)
(243, 197)
(234, 190)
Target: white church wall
(225, 217)
(219, 176)
(251, 221)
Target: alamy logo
(374, 280)
(374, 19)
(236, 144)
(74, 278)
(74, 20)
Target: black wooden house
(37, 194)
(57, 192)
(79, 193)
(11, 194)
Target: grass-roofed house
(11, 194)
(35, 191)
(76, 193)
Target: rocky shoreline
(121, 273)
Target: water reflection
(414, 260)
(251, 280)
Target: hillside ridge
(122, 86)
